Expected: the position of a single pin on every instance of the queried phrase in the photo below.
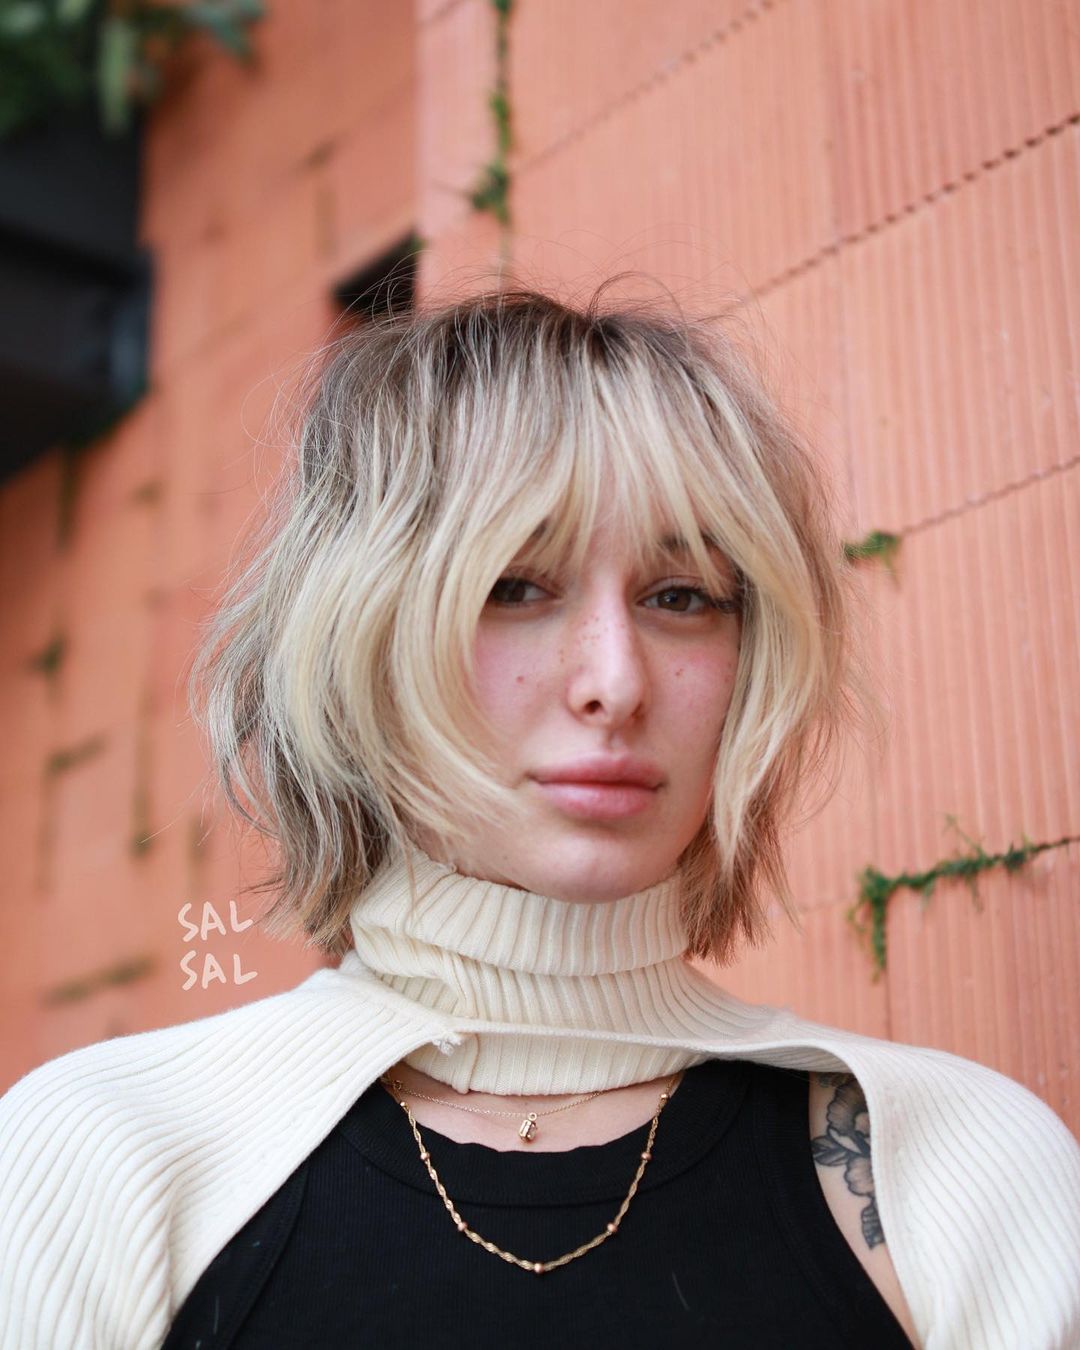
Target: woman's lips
(599, 801)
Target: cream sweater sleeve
(126, 1165)
(84, 1207)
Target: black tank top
(729, 1241)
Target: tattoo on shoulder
(846, 1143)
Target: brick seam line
(719, 35)
(1005, 490)
(658, 76)
(919, 204)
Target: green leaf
(19, 20)
(219, 23)
(116, 58)
(56, 53)
(71, 11)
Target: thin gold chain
(477, 1110)
(539, 1267)
(525, 1117)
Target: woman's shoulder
(942, 1120)
(968, 1178)
(123, 1068)
(88, 1113)
(122, 1157)
(117, 1066)
(894, 1074)
(840, 1146)
(289, 1055)
(86, 1185)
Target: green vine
(876, 889)
(148, 493)
(876, 544)
(50, 658)
(62, 760)
(142, 833)
(123, 972)
(492, 190)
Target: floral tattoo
(846, 1142)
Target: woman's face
(601, 664)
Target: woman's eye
(706, 601)
(506, 590)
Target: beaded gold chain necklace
(537, 1267)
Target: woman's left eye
(707, 601)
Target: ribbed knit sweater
(127, 1165)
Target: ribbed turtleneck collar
(516, 963)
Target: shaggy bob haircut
(333, 680)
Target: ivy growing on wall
(123, 972)
(877, 544)
(876, 888)
(868, 914)
(48, 660)
(492, 190)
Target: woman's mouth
(599, 801)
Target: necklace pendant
(528, 1127)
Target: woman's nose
(606, 661)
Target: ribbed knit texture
(127, 1165)
(476, 949)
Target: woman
(545, 634)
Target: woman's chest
(726, 1240)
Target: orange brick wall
(262, 188)
(884, 192)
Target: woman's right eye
(506, 590)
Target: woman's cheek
(506, 677)
(700, 688)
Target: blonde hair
(333, 679)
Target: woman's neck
(528, 970)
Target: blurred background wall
(886, 194)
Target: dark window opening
(383, 287)
(76, 286)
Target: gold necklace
(527, 1130)
(539, 1267)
